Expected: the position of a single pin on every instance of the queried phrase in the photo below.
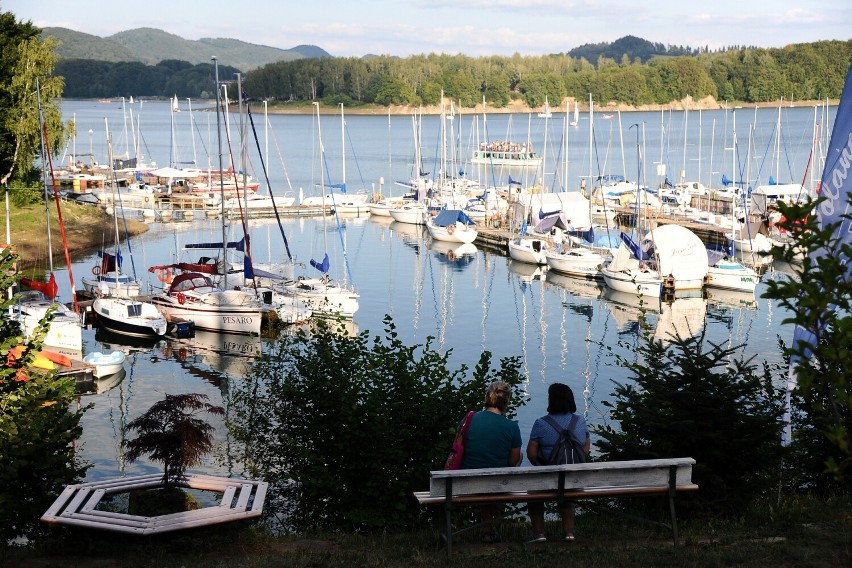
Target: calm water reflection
(468, 300)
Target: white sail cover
(680, 253)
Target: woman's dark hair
(560, 399)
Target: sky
(469, 27)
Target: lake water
(482, 301)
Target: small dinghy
(105, 364)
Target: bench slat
(424, 498)
(645, 473)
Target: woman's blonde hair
(497, 395)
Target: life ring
(451, 256)
(451, 229)
(164, 275)
(147, 199)
(96, 270)
(181, 298)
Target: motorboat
(128, 316)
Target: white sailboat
(65, 332)
(452, 225)
(193, 295)
(322, 295)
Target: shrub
(344, 429)
(691, 399)
(37, 427)
(820, 301)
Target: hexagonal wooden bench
(76, 505)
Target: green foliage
(691, 399)
(38, 426)
(23, 194)
(344, 429)
(633, 71)
(24, 62)
(172, 434)
(820, 301)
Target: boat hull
(211, 317)
(528, 250)
(633, 282)
(114, 315)
(579, 262)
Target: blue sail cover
(447, 217)
(548, 223)
(836, 186)
(638, 252)
(109, 262)
(239, 245)
(513, 181)
(322, 266)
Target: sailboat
(576, 120)
(192, 295)
(65, 332)
(546, 113)
(322, 295)
(108, 279)
(452, 225)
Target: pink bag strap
(466, 425)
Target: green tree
(38, 426)
(344, 429)
(693, 398)
(25, 62)
(820, 301)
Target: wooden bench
(558, 483)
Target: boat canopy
(190, 281)
(551, 221)
(447, 217)
(680, 252)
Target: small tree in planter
(170, 432)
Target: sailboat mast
(221, 173)
(44, 162)
(343, 145)
(322, 178)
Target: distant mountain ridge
(151, 46)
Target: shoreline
(519, 107)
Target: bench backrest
(635, 473)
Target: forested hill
(152, 46)
(629, 48)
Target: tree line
(809, 71)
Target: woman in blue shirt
(543, 438)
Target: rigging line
(124, 222)
(243, 214)
(354, 157)
(336, 218)
(268, 184)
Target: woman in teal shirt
(492, 441)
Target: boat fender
(181, 298)
(451, 229)
(451, 256)
(96, 270)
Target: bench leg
(672, 492)
(448, 510)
